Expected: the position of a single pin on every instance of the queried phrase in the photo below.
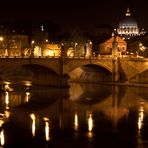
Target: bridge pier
(63, 79)
(61, 71)
(115, 60)
(115, 70)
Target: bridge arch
(52, 64)
(35, 73)
(109, 68)
(37, 68)
(73, 64)
(90, 73)
(43, 75)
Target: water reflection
(140, 123)
(90, 125)
(140, 115)
(76, 122)
(7, 87)
(27, 97)
(47, 129)
(7, 114)
(2, 138)
(89, 93)
(7, 100)
(90, 122)
(98, 114)
(33, 123)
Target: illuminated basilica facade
(128, 27)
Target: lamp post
(32, 46)
(75, 48)
(1, 40)
(141, 49)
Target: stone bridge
(56, 71)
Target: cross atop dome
(127, 12)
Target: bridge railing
(71, 57)
(80, 57)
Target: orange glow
(2, 138)
(47, 128)
(27, 97)
(33, 118)
(7, 100)
(90, 123)
(90, 126)
(76, 124)
(70, 53)
(1, 38)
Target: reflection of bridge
(125, 69)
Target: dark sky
(75, 12)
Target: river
(84, 115)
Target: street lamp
(142, 49)
(32, 42)
(32, 45)
(1, 38)
(46, 40)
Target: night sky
(75, 13)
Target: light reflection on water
(47, 128)
(33, 123)
(7, 100)
(27, 97)
(103, 115)
(76, 122)
(2, 138)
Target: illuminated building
(128, 27)
(107, 46)
(52, 50)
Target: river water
(84, 115)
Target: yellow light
(90, 42)
(76, 124)
(47, 129)
(28, 83)
(45, 119)
(90, 134)
(70, 53)
(7, 100)
(27, 97)
(90, 126)
(6, 87)
(76, 43)
(1, 38)
(1, 122)
(50, 53)
(7, 114)
(140, 117)
(2, 138)
(32, 41)
(33, 118)
(90, 123)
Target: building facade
(107, 46)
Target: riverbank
(128, 84)
(116, 83)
